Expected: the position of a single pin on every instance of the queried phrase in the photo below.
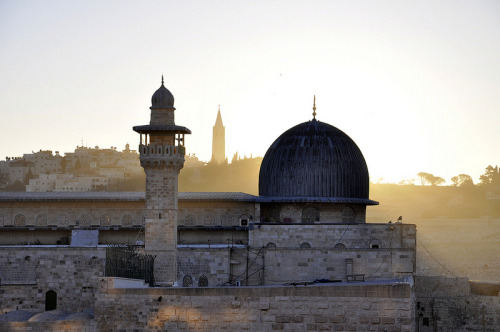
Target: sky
(415, 84)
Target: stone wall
(71, 214)
(328, 236)
(277, 266)
(59, 326)
(194, 263)
(118, 213)
(326, 212)
(214, 213)
(456, 304)
(337, 307)
(295, 265)
(29, 273)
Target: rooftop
(10, 196)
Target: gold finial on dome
(314, 108)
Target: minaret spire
(162, 79)
(314, 108)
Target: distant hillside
(430, 202)
(241, 175)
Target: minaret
(162, 157)
(219, 141)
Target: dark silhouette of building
(219, 141)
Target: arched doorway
(50, 300)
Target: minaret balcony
(161, 152)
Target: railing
(161, 150)
(125, 262)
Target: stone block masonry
(456, 304)
(71, 273)
(375, 307)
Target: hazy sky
(415, 84)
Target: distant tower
(162, 157)
(219, 141)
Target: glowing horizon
(414, 85)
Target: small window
(375, 244)
(305, 245)
(244, 219)
(425, 321)
(187, 281)
(190, 220)
(203, 281)
(271, 245)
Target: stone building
(305, 237)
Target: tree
(491, 175)
(407, 182)
(462, 180)
(437, 181)
(427, 178)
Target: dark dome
(314, 159)
(162, 98)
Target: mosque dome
(162, 98)
(314, 159)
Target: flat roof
(137, 196)
(127, 196)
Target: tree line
(491, 177)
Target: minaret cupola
(162, 98)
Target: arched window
(227, 220)
(271, 245)
(190, 220)
(305, 245)
(187, 281)
(310, 215)
(209, 220)
(127, 220)
(105, 220)
(41, 220)
(374, 244)
(348, 215)
(339, 246)
(244, 219)
(20, 220)
(50, 300)
(85, 220)
(203, 281)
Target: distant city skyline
(415, 85)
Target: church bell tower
(219, 141)
(162, 152)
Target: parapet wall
(335, 307)
(353, 236)
(456, 304)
